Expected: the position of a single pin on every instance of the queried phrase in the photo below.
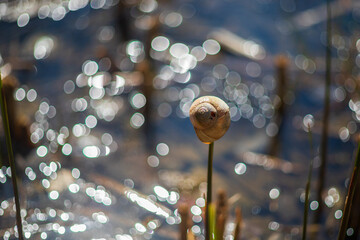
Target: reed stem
(5, 119)
(350, 197)
(209, 192)
(324, 135)
(308, 183)
(238, 222)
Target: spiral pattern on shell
(210, 117)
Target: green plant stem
(324, 135)
(350, 197)
(308, 183)
(11, 160)
(209, 192)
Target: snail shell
(210, 117)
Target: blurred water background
(104, 87)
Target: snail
(210, 117)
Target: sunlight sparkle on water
(137, 120)
(179, 50)
(100, 217)
(161, 192)
(91, 151)
(135, 50)
(196, 230)
(96, 93)
(140, 227)
(45, 183)
(20, 94)
(106, 139)
(79, 130)
(253, 69)
(123, 237)
(187, 62)
(349, 232)
(78, 228)
(344, 134)
(160, 43)
(138, 100)
(58, 13)
(74, 188)
(153, 161)
(66, 149)
(53, 195)
(23, 20)
(31, 95)
(314, 205)
(274, 193)
(338, 214)
(240, 168)
(106, 33)
(198, 52)
(274, 226)
(146, 203)
(308, 121)
(211, 47)
(91, 121)
(197, 218)
(173, 19)
(43, 47)
(42, 151)
(200, 202)
(79, 104)
(196, 210)
(162, 149)
(99, 80)
(173, 197)
(75, 173)
(75, 5)
(27, 235)
(90, 67)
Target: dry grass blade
(221, 213)
(11, 160)
(350, 197)
(308, 183)
(184, 213)
(237, 231)
(324, 135)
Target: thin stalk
(324, 135)
(221, 213)
(238, 223)
(350, 197)
(209, 192)
(184, 213)
(11, 160)
(308, 183)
